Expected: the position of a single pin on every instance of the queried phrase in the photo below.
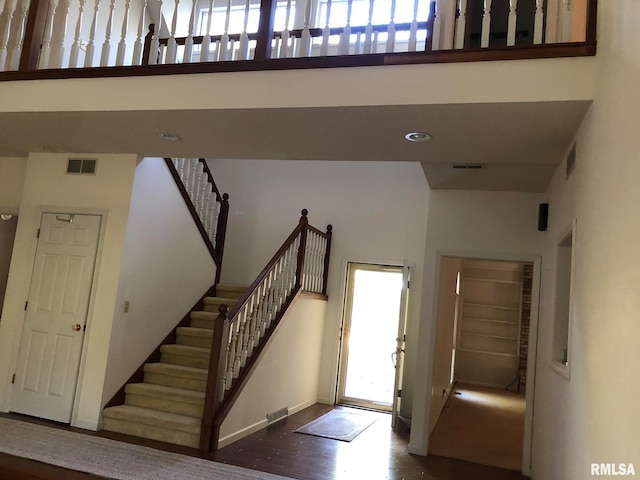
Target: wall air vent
(77, 166)
(277, 415)
(469, 166)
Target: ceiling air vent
(468, 166)
(78, 166)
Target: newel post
(221, 228)
(304, 222)
(33, 35)
(209, 433)
(146, 50)
(327, 253)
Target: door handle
(77, 327)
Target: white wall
(499, 225)
(377, 209)
(107, 192)
(593, 416)
(166, 268)
(294, 353)
(12, 174)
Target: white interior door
(400, 342)
(56, 313)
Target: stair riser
(229, 294)
(189, 341)
(174, 381)
(164, 405)
(152, 432)
(187, 361)
(201, 323)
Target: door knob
(77, 327)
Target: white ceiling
(519, 143)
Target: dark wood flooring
(376, 454)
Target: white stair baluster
(326, 32)
(20, 21)
(77, 38)
(106, 46)
(193, 165)
(172, 46)
(305, 36)
(413, 30)
(195, 190)
(88, 56)
(368, 31)
(486, 24)
(243, 49)
(5, 22)
(47, 37)
(391, 29)
(207, 208)
(155, 39)
(566, 14)
(122, 45)
(461, 25)
(512, 23)
(223, 49)
(213, 227)
(188, 43)
(284, 36)
(345, 37)
(206, 39)
(538, 22)
(139, 43)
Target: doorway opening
(8, 224)
(372, 336)
(480, 361)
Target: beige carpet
(481, 425)
(111, 459)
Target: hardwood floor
(376, 454)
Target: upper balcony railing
(81, 38)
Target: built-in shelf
(500, 307)
(497, 354)
(488, 336)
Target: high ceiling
(520, 144)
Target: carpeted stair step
(194, 337)
(229, 290)
(185, 355)
(165, 399)
(177, 376)
(153, 424)
(212, 304)
(203, 319)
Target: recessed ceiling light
(418, 136)
(170, 137)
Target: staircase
(167, 405)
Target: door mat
(338, 424)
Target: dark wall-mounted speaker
(543, 216)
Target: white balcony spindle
(223, 48)
(122, 45)
(538, 23)
(106, 46)
(413, 29)
(172, 46)
(345, 37)
(305, 36)
(565, 20)
(138, 45)
(437, 30)
(243, 49)
(461, 25)
(45, 51)
(284, 36)
(188, 43)
(77, 38)
(391, 28)
(512, 23)
(326, 32)
(5, 22)
(206, 39)
(91, 45)
(155, 39)
(20, 21)
(486, 24)
(191, 180)
(368, 31)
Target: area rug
(112, 459)
(339, 424)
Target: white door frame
(36, 221)
(533, 338)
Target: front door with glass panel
(372, 321)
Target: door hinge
(84, 327)
(408, 284)
(13, 379)
(399, 394)
(38, 234)
(26, 304)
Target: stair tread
(195, 332)
(176, 370)
(200, 315)
(160, 390)
(154, 418)
(186, 350)
(221, 300)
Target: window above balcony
(83, 38)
